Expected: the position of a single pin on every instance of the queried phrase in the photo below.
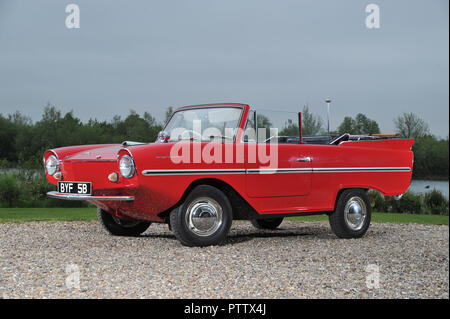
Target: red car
(212, 165)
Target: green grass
(90, 214)
(46, 214)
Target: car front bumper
(58, 195)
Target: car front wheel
(204, 219)
(352, 215)
(121, 227)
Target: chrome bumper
(55, 194)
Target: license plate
(74, 188)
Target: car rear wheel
(352, 215)
(270, 223)
(121, 227)
(204, 219)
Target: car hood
(99, 153)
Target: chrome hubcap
(355, 213)
(204, 216)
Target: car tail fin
(399, 144)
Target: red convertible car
(212, 165)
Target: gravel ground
(300, 260)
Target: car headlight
(51, 165)
(126, 166)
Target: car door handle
(304, 159)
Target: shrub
(436, 203)
(9, 190)
(410, 203)
(433, 202)
(377, 201)
(36, 187)
(391, 204)
(28, 188)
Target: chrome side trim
(360, 169)
(58, 195)
(278, 170)
(88, 161)
(131, 143)
(158, 172)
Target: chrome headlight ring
(126, 166)
(52, 165)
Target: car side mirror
(163, 137)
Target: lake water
(421, 186)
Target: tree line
(24, 142)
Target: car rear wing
(399, 144)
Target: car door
(288, 173)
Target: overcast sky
(148, 55)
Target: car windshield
(204, 124)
